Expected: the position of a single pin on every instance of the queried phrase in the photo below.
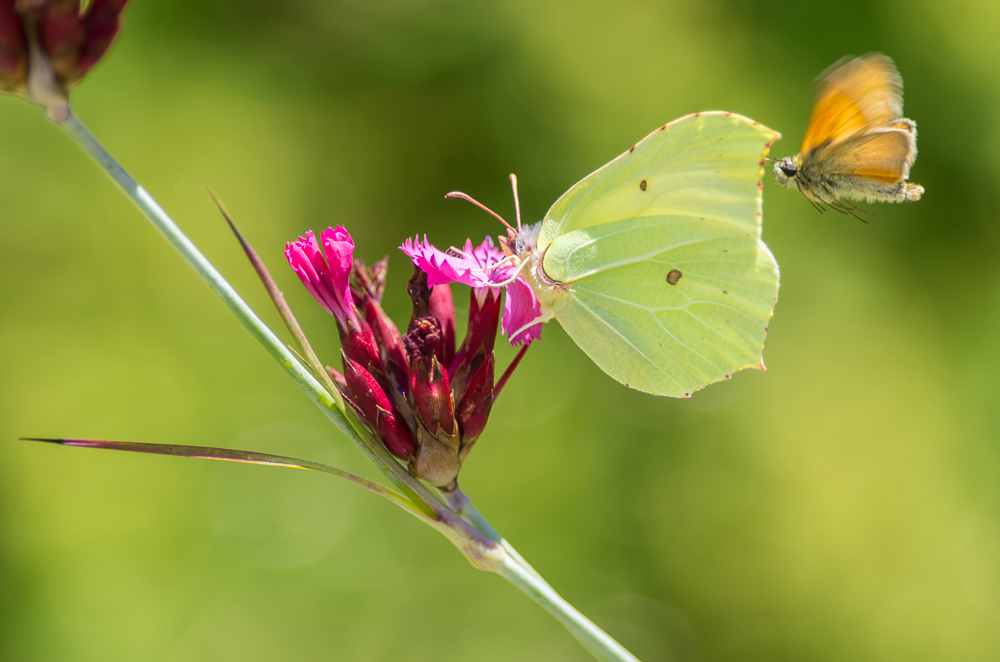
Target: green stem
(597, 642)
(480, 543)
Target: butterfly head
(523, 239)
(785, 171)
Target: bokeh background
(844, 505)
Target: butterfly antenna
(463, 196)
(517, 203)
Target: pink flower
(481, 267)
(326, 272)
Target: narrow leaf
(283, 309)
(233, 455)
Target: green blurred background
(844, 505)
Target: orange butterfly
(858, 145)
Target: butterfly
(654, 263)
(858, 145)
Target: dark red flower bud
(420, 295)
(389, 341)
(368, 396)
(430, 391)
(474, 410)
(366, 292)
(69, 44)
(484, 316)
(102, 24)
(13, 50)
(359, 344)
(395, 435)
(442, 307)
(370, 281)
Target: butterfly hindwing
(884, 155)
(667, 304)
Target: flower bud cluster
(47, 46)
(426, 400)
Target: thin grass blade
(234, 455)
(279, 302)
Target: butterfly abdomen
(875, 190)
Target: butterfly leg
(845, 207)
(517, 272)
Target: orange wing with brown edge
(884, 155)
(854, 95)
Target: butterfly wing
(666, 285)
(704, 165)
(853, 96)
(883, 155)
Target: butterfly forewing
(706, 165)
(853, 96)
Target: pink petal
(520, 309)
(472, 267)
(306, 260)
(325, 273)
(339, 249)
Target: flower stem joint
(425, 400)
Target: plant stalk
(597, 642)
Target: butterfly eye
(789, 169)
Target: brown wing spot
(674, 276)
(642, 185)
(631, 148)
